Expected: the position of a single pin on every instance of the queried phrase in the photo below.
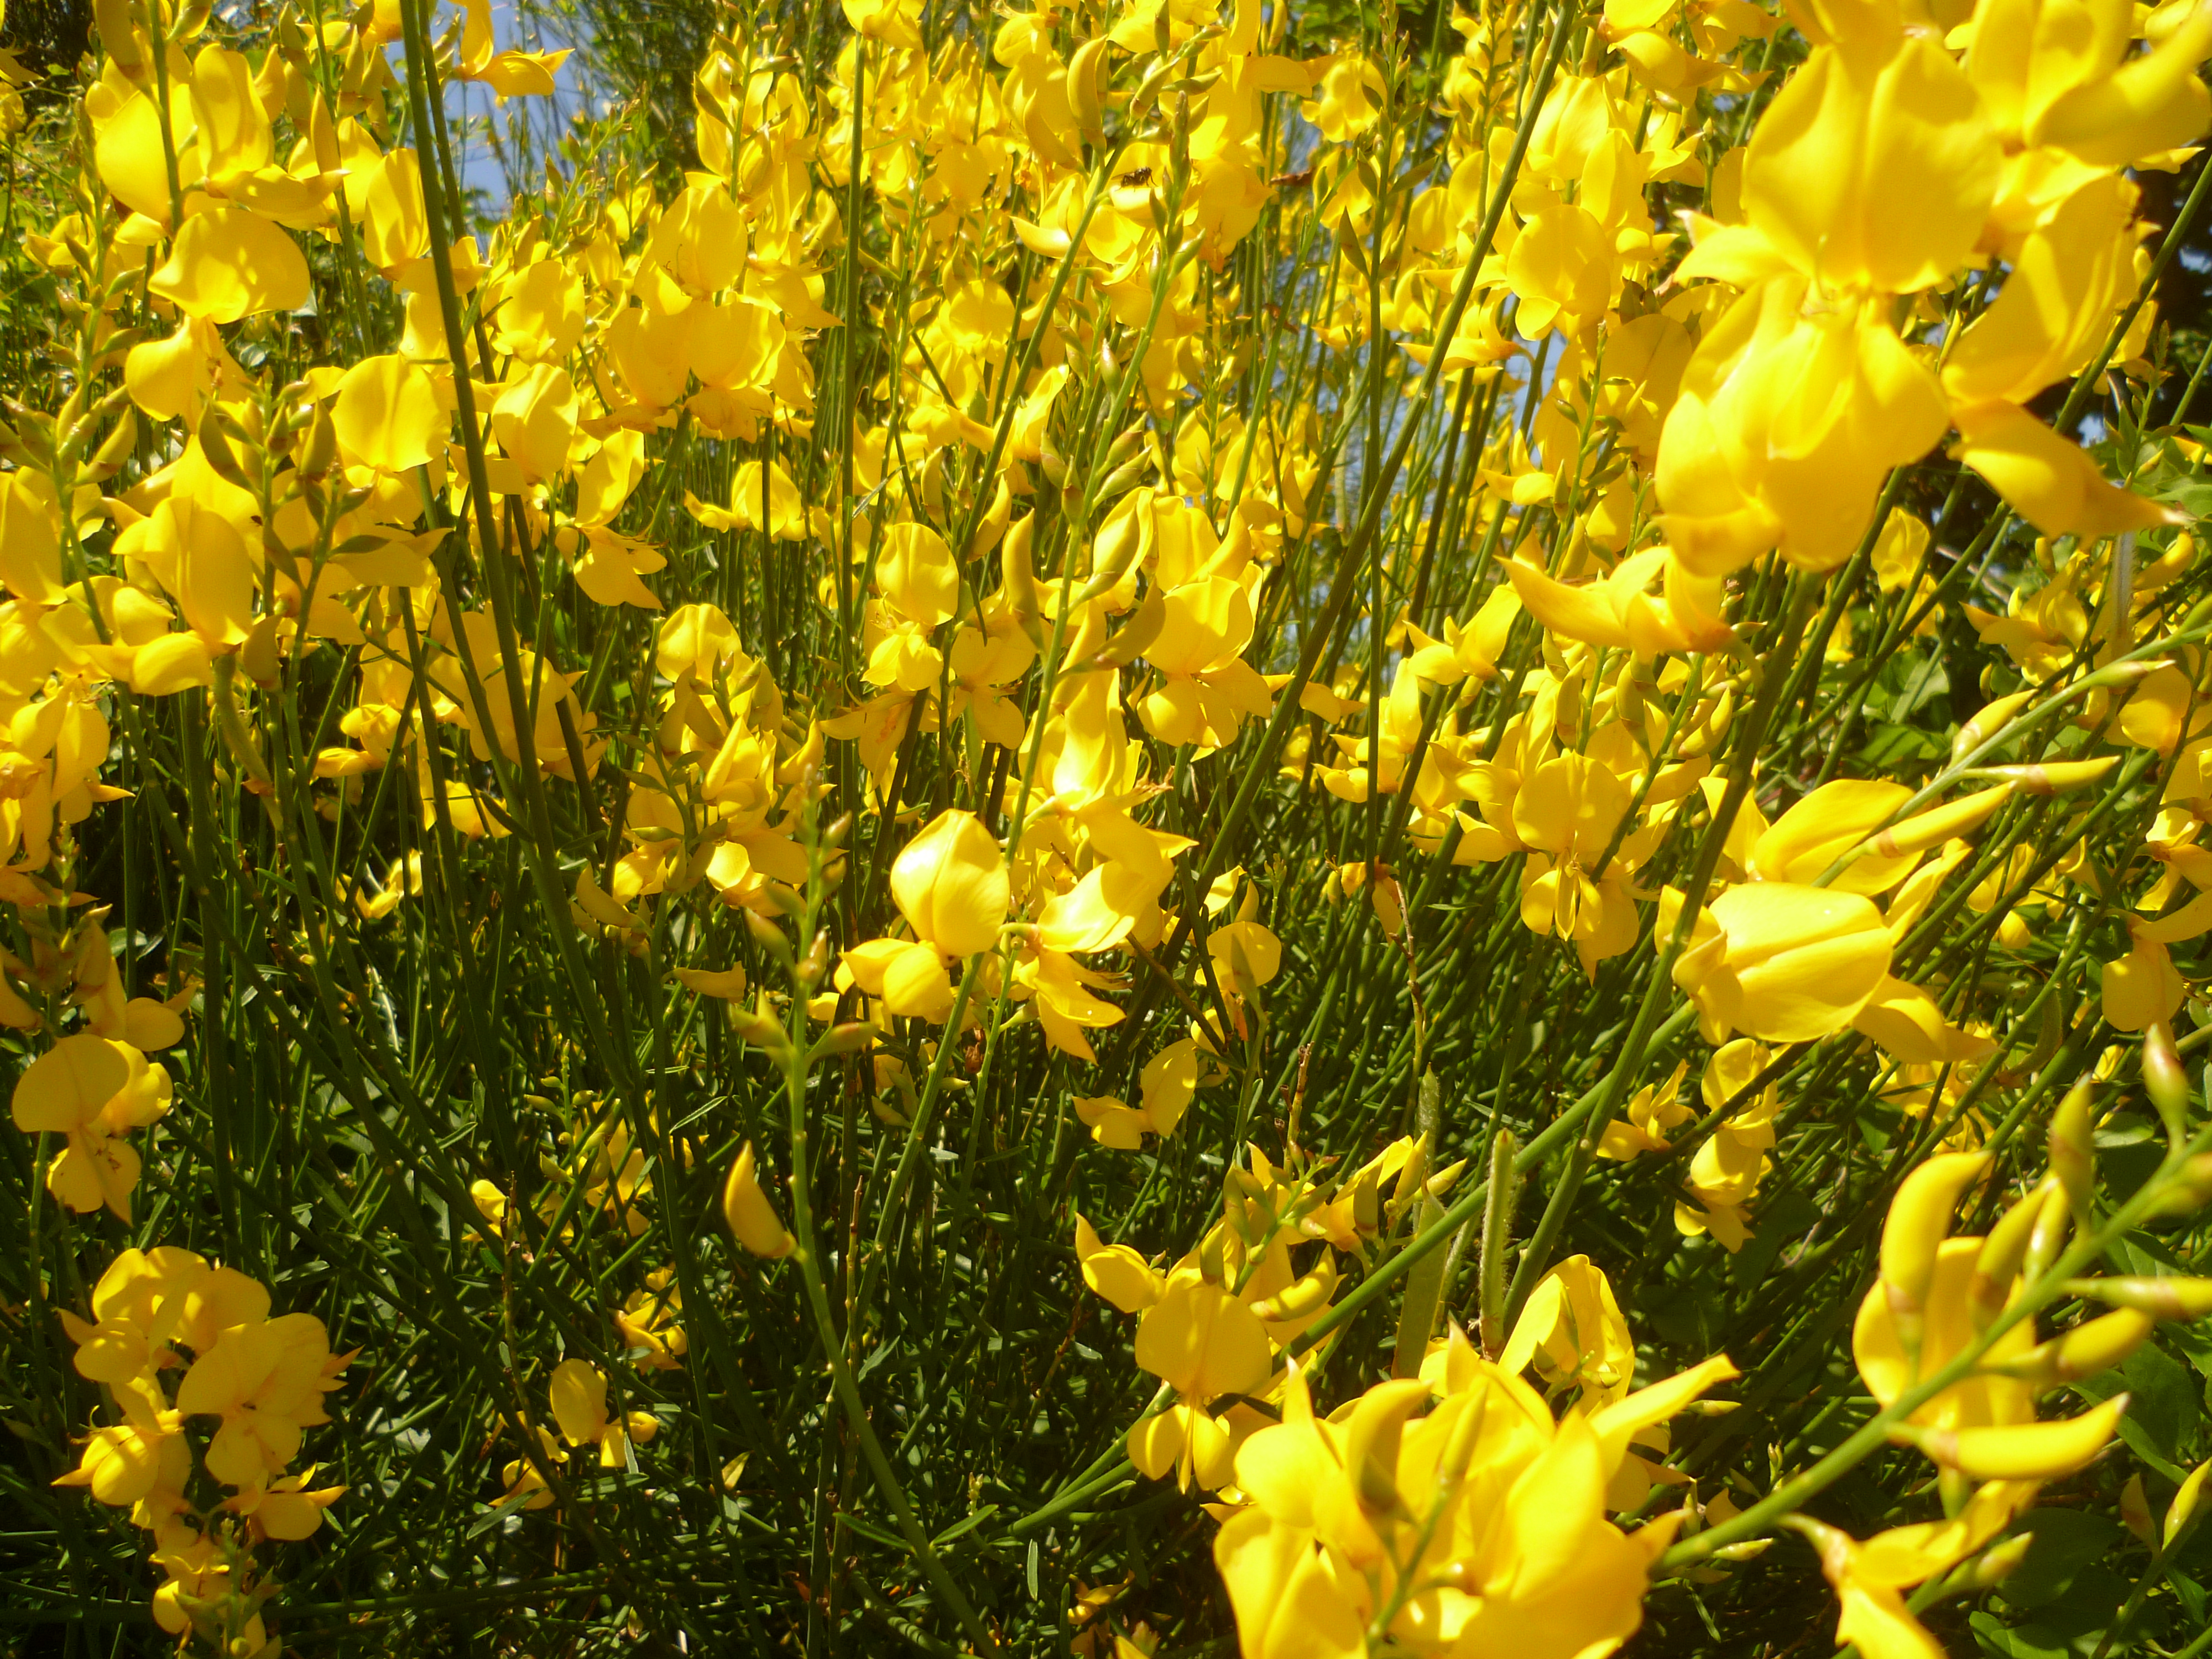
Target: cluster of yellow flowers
(1049, 569)
(1449, 1511)
(1446, 1513)
(1483, 1521)
(1947, 1307)
(260, 1379)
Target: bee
(1292, 181)
(1134, 177)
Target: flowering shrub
(1406, 806)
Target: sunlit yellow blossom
(1782, 963)
(1453, 1500)
(578, 1395)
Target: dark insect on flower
(1292, 181)
(1135, 176)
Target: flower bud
(1212, 1266)
(2048, 778)
(1708, 726)
(850, 1037)
(2165, 1080)
(320, 451)
(261, 652)
(760, 1028)
(1750, 1550)
(2191, 1188)
(1127, 536)
(216, 446)
(1985, 725)
(816, 962)
(1937, 824)
(1085, 96)
(115, 449)
(2162, 1299)
(2073, 1149)
(1018, 572)
(2003, 1252)
(991, 528)
(1135, 636)
(2082, 1352)
(1996, 1564)
(2134, 1511)
(2049, 1237)
(2185, 1501)
(771, 938)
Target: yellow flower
(1168, 1081)
(1875, 166)
(1566, 813)
(1209, 689)
(386, 416)
(646, 1320)
(1792, 411)
(762, 497)
(1206, 1342)
(287, 1509)
(265, 1382)
(124, 1463)
(951, 884)
(1203, 1343)
(1781, 962)
(2051, 481)
(1935, 1296)
(1725, 1174)
(523, 1482)
(228, 263)
(1115, 1272)
(895, 22)
(909, 977)
(578, 1395)
(1652, 1112)
(203, 1582)
(2142, 988)
(510, 74)
(1472, 650)
(1869, 1577)
(1570, 1329)
(1618, 610)
(750, 1215)
(1478, 1526)
(1908, 1024)
(2087, 94)
(92, 1090)
(1869, 174)
(534, 418)
(1247, 956)
(139, 1306)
